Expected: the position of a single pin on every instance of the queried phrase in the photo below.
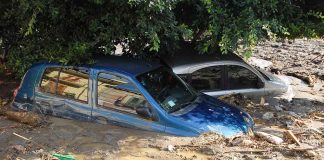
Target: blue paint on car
(172, 106)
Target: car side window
(118, 93)
(209, 78)
(49, 79)
(241, 78)
(73, 83)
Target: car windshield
(167, 89)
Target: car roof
(123, 64)
(188, 55)
(126, 64)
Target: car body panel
(209, 114)
(272, 86)
(177, 124)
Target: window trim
(154, 118)
(226, 87)
(39, 86)
(222, 85)
(56, 84)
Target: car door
(73, 88)
(208, 79)
(240, 79)
(118, 101)
(45, 92)
(64, 93)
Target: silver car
(218, 75)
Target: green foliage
(73, 31)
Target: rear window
(71, 83)
(49, 79)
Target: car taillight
(15, 92)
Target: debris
(299, 123)
(241, 142)
(29, 118)
(20, 136)
(278, 108)
(63, 157)
(292, 136)
(246, 157)
(293, 114)
(170, 148)
(317, 87)
(19, 148)
(268, 115)
(39, 151)
(262, 101)
(208, 150)
(268, 137)
(311, 153)
(310, 81)
(12, 126)
(260, 63)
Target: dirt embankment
(300, 58)
(294, 129)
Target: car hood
(208, 114)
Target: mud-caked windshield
(167, 89)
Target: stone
(278, 108)
(241, 142)
(19, 148)
(261, 63)
(246, 157)
(208, 150)
(170, 148)
(311, 153)
(268, 115)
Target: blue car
(130, 93)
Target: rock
(293, 114)
(39, 151)
(268, 115)
(278, 108)
(170, 148)
(310, 81)
(261, 63)
(208, 150)
(317, 87)
(19, 148)
(311, 153)
(246, 157)
(241, 142)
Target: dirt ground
(303, 116)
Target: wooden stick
(293, 137)
(22, 137)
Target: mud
(303, 115)
(301, 58)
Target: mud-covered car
(216, 74)
(129, 93)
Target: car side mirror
(144, 112)
(260, 84)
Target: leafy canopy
(72, 31)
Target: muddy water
(72, 137)
(86, 140)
